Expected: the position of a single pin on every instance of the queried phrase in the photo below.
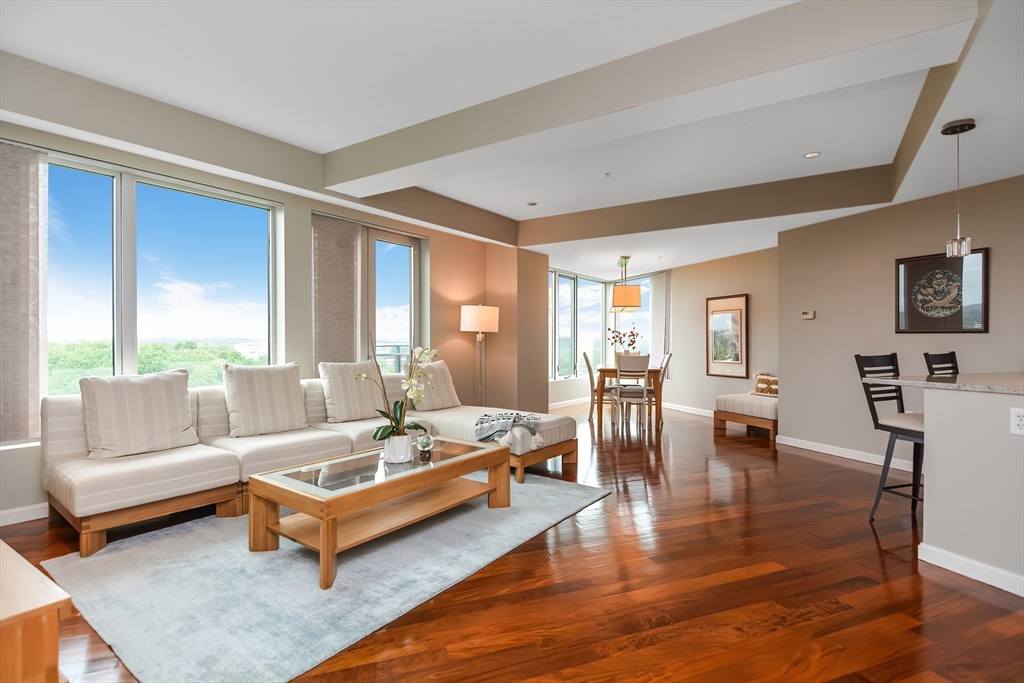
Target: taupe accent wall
(845, 270)
(756, 274)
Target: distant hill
(972, 317)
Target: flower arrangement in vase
(398, 444)
(627, 340)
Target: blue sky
(201, 262)
(392, 285)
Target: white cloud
(187, 310)
(392, 325)
(78, 311)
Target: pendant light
(625, 298)
(961, 246)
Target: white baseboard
(571, 402)
(972, 569)
(848, 453)
(24, 514)
(688, 409)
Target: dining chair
(594, 388)
(941, 363)
(660, 379)
(631, 368)
(901, 425)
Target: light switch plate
(1017, 421)
(808, 315)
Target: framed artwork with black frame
(939, 294)
(728, 337)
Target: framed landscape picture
(939, 294)
(728, 336)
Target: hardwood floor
(714, 559)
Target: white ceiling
(852, 127)
(324, 75)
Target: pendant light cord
(958, 186)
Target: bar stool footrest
(889, 489)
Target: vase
(398, 448)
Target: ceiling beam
(794, 34)
(843, 189)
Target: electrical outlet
(1017, 421)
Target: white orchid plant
(413, 386)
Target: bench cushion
(267, 452)
(88, 487)
(460, 423)
(747, 404)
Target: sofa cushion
(348, 398)
(263, 399)
(748, 404)
(438, 390)
(361, 431)
(130, 414)
(460, 422)
(268, 452)
(89, 487)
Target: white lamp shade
(625, 298)
(479, 319)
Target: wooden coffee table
(344, 501)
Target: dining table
(606, 373)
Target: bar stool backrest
(941, 363)
(886, 365)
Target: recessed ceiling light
(811, 155)
(531, 203)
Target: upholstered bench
(749, 409)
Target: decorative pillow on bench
(439, 390)
(132, 414)
(349, 398)
(765, 385)
(263, 399)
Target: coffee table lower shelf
(365, 525)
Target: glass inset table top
(347, 473)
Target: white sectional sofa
(98, 494)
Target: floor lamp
(479, 319)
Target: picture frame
(727, 337)
(936, 294)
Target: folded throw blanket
(498, 428)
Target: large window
(576, 323)
(393, 291)
(147, 275)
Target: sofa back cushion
(348, 398)
(263, 399)
(316, 404)
(439, 389)
(130, 414)
(212, 420)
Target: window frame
(124, 288)
(553, 279)
(419, 309)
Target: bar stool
(942, 363)
(901, 426)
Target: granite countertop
(985, 382)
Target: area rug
(191, 603)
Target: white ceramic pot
(398, 449)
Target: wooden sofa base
(92, 529)
(566, 449)
(721, 417)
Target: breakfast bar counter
(974, 475)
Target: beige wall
(845, 270)
(755, 274)
(532, 357)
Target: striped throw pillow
(439, 391)
(133, 414)
(349, 398)
(765, 384)
(263, 399)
